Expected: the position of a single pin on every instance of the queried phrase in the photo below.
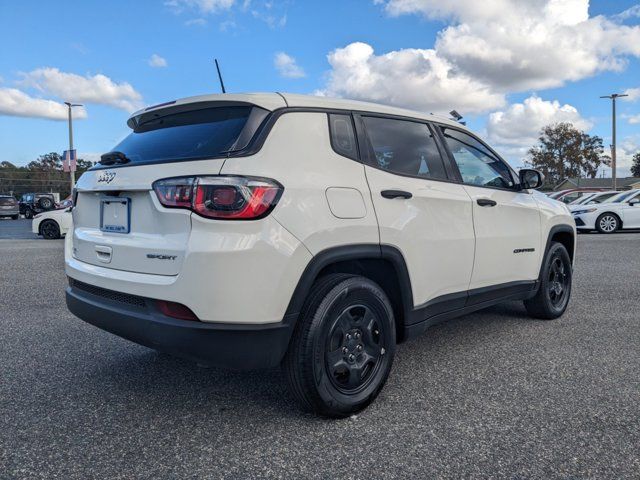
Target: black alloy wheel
(50, 230)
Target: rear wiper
(113, 158)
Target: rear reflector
(176, 310)
(224, 197)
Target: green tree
(41, 175)
(563, 151)
(635, 165)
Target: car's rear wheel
(50, 230)
(28, 213)
(343, 346)
(554, 289)
(15, 217)
(607, 223)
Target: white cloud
(624, 155)
(204, 6)
(98, 88)
(412, 78)
(287, 66)
(157, 61)
(16, 103)
(519, 125)
(632, 119)
(634, 94)
(200, 22)
(516, 45)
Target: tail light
(224, 197)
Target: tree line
(563, 151)
(41, 175)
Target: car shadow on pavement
(163, 382)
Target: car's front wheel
(607, 223)
(50, 230)
(343, 346)
(554, 289)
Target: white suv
(254, 230)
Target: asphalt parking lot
(16, 229)
(493, 394)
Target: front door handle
(485, 202)
(395, 194)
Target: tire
(342, 347)
(554, 289)
(608, 223)
(45, 203)
(15, 217)
(28, 213)
(50, 230)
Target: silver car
(9, 207)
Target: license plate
(115, 215)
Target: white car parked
(52, 224)
(253, 230)
(620, 211)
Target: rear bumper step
(238, 347)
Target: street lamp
(71, 170)
(613, 97)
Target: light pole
(613, 97)
(71, 170)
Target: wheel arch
(383, 264)
(564, 234)
(609, 212)
(44, 221)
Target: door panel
(433, 229)
(508, 243)
(631, 213)
(506, 220)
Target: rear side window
(343, 137)
(196, 134)
(404, 147)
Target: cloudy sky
(509, 66)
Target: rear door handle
(485, 202)
(395, 194)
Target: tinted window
(343, 138)
(602, 198)
(404, 147)
(7, 201)
(205, 133)
(622, 197)
(477, 165)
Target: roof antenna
(219, 76)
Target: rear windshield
(7, 201)
(205, 133)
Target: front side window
(404, 147)
(477, 165)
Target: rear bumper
(239, 347)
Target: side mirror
(530, 178)
(634, 201)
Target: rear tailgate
(157, 239)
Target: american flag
(69, 161)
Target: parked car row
(619, 211)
